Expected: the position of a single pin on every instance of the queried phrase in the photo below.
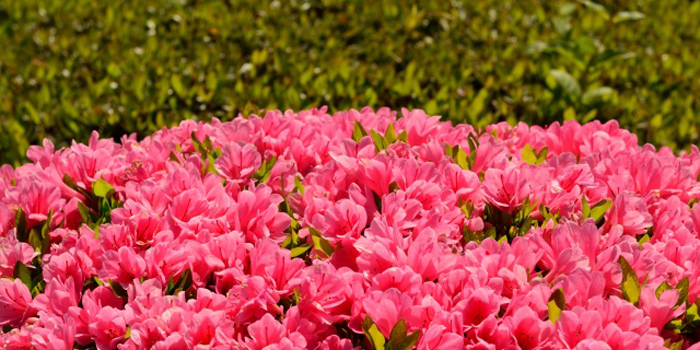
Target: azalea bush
(357, 230)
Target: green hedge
(69, 67)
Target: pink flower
(591, 344)
(388, 307)
(109, 328)
(267, 333)
(238, 161)
(660, 310)
(202, 330)
(38, 199)
(58, 297)
(506, 189)
(415, 237)
(629, 211)
(122, 266)
(12, 251)
(15, 303)
(345, 220)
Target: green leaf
(542, 155)
(390, 135)
(170, 286)
(611, 54)
(46, 228)
(212, 81)
(599, 209)
(403, 136)
(596, 94)
(625, 16)
(585, 208)
(287, 243)
(118, 289)
(409, 342)
(297, 251)
(371, 331)
(644, 239)
(662, 288)
(532, 157)
(101, 188)
(263, 174)
(449, 150)
(85, 213)
(208, 144)
(35, 241)
(526, 225)
(630, 282)
(683, 288)
(320, 243)
(461, 159)
(298, 185)
(176, 84)
(566, 82)
(398, 333)
(21, 225)
(473, 142)
(183, 283)
(378, 140)
(21, 271)
(393, 187)
(556, 304)
(678, 345)
(692, 314)
(358, 132)
(597, 8)
(528, 155)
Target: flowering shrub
(356, 230)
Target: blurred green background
(68, 67)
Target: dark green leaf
(22, 273)
(403, 136)
(683, 288)
(566, 82)
(410, 341)
(118, 289)
(597, 8)
(609, 55)
(378, 140)
(358, 132)
(556, 304)
(21, 225)
(85, 213)
(398, 333)
(373, 334)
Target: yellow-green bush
(70, 67)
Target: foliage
(69, 67)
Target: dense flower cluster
(353, 230)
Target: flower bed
(356, 230)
